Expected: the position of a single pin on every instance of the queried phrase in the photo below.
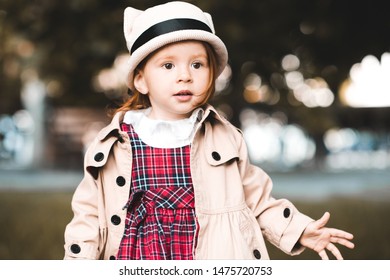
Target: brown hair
(138, 101)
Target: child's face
(176, 79)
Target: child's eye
(168, 66)
(196, 65)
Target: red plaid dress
(160, 222)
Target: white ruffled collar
(162, 133)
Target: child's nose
(184, 75)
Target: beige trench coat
(233, 202)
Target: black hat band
(168, 26)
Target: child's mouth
(183, 93)
(183, 96)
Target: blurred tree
(68, 42)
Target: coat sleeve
(280, 221)
(82, 233)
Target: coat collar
(209, 112)
(113, 127)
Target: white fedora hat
(149, 30)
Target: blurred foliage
(68, 42)
(34, 224)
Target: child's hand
(318, 238)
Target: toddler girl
(170, 178)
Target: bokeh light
(368, 84)
(311, 92)
(350, 149)
(112, 81)
(223, 81)
(274, 143)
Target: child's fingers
(321, 222)
(343, 242)
(323, 255)
(341, 234)
(333, 249)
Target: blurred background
(308, 82)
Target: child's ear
(140, 83)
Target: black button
(112, 258)
(99, 157)
(120, 181)
(257, 254)
(286, 212)
(75, 249)
(116, 220)
(216, 156)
